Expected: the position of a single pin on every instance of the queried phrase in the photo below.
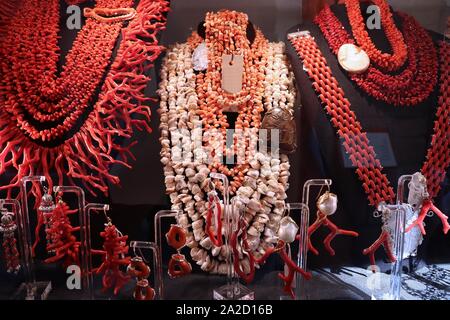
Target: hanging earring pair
(139, 269)
(178, 265)
(8, 227)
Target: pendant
(353, 59)
(327, 206)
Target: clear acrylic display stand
(30, 289)
(84, 235)
(233, 289)
(302, 256)
(158, 241)
(157, 266)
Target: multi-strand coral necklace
(226, 34)
(387, 61)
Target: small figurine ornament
(114, 256)
(178, 265)
(8, 227)
(141, 271)
(327, 206)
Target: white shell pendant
(200, 57)
(353, 59)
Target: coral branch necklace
(410, 86)
(46, 123)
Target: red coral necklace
(406, 88)
(226, 34)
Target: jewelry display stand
(158, 242)
(86, 235)
(389, 287)
(233, 289)
(86, 246)
(30, 289)
(157, 266)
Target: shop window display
(302, 148)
